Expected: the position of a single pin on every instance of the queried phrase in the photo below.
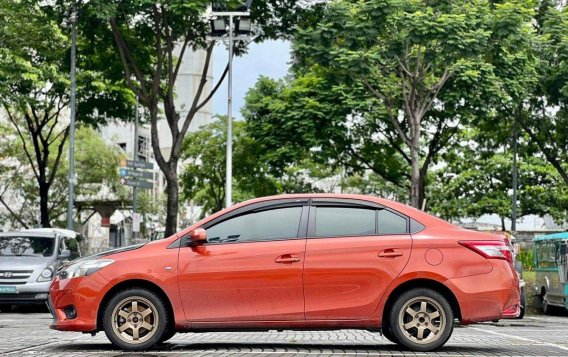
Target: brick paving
(27, 334)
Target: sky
(270, 58)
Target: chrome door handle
(287, 259)
(390, 253)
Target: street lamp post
(72, 103)
(239, 24)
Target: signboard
(131, 176)
(137, 183)
(136, 219)
(139, 164)
(137, 174)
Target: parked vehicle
(158, 234)
(551, 270)
(29, 260)
(315, 261)
(519, 269)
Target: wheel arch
(421, 283)
(135, 283)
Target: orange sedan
(317, 261)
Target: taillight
(490, 249)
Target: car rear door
(251, 267)
(354, 251)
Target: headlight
(83, 268)
(46, 274)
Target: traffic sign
(139, 184)
(136, 174)
(139, 164)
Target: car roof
(27, 233)
(64, 232)
(420, 216)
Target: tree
(389, 84)
(544, 113)
(34, 91)
(151, 39)
(204, 176)
(96, 170)
(476, 180)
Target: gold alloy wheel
(135, 320)
(422, 320)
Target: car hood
(24, 263)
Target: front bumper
(74, 303)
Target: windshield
(27, 246)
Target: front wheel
(135, 319)
(421, 320)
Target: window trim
(352, 203)
(258, 207)
(312, 221)
(300, 233)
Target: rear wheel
(421, 320)
(135, 319)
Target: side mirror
(198, 236)
(65, 254)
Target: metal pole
(135, 158)
(72, 102)
(229, 178)
(515, 174)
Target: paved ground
(27, 334)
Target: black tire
(169, 333)
(135, 319)
(546, 308)
(387, 334)
(523, 303)
(430, 324)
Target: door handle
(390, 253)
(287, 259)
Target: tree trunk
(43, 205)
(172, 190)
(415, 177)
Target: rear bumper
(492, 296)
(82, 296)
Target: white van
(29, 260)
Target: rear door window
(391, 223)
(344, 221)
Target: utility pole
(515, 175)
(135, 158)
(229, 168)
(73, 105)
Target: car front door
(353, 252)
(250, 268)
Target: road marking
(564, 348)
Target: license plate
(8, 290)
